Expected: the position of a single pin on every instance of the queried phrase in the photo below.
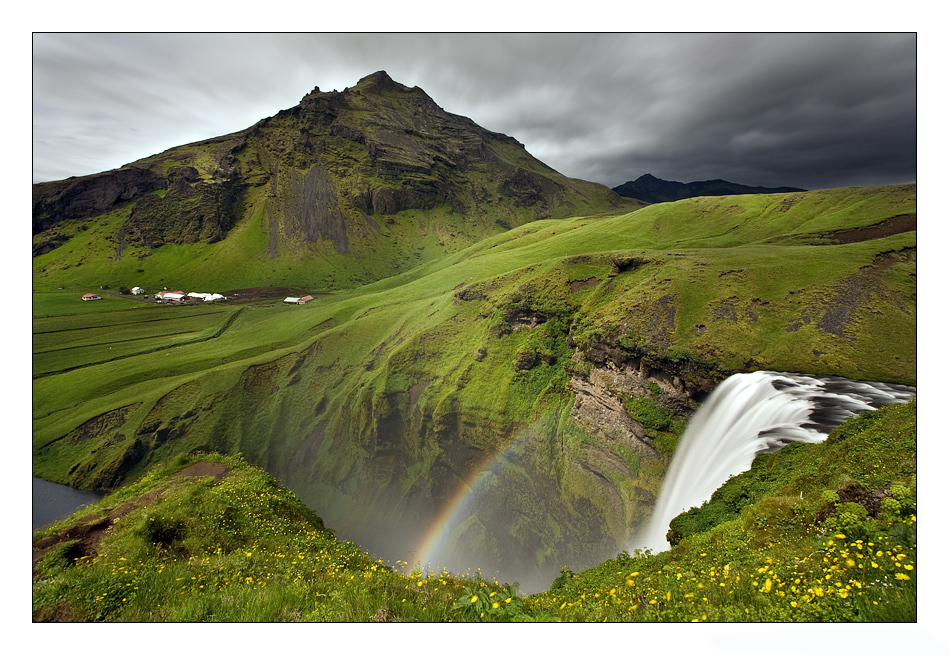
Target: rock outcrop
(90, 195)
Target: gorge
(499, 361)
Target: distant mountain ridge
(651, 189)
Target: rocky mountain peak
(380, 80)
(329, 172)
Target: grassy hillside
(382, 406)
(210, 538)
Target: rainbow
(453, 510)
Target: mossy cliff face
(493, 402)
(384, 427)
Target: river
(52, 501)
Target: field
(65, 342)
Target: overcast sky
(806, 110)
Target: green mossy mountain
(342, 189)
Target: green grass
(246, 550)
(60, 303)
(242, 550)
(66, 342)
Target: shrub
(562, 579)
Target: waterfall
(751, 413)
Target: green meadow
(374, 398)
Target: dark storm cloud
(809, 110)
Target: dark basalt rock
(77, 198)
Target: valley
(562, 358)
(498, 362)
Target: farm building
(304, 299)
(91, 297)
(138, 290)
(165, 296)
(206, 297)
(292, 300)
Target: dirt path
(892, 226)
(264, 293)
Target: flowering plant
(480, 603)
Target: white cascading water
(750, 413)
